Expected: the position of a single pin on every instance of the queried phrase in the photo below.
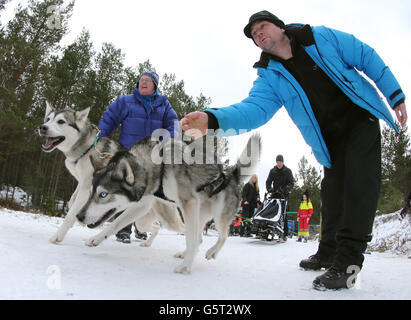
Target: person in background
(303, 216)
(250, 199)
(280, 179)
(279, 182)
(139, 114)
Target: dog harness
(214, 186)
(160, 193)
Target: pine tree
(34, 68)
(307, 178)
(26, 42)
(396, 169)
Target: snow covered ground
(246, 269)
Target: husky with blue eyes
(129, 185)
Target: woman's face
(146, 86)
(304, 197)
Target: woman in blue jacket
(139, 114)
(314, 72)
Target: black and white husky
(202, 191)
(72, 133)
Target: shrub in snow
(391, 234)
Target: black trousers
(349, 194)
(126, 230)
(248, 211)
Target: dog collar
(83, 154)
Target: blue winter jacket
(342, 57)
(136, 120)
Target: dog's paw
(211, 254)
(145, 244)
(180, 255)
(93, 242)
(183, 269)
(56, 238)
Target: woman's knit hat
(153, 75)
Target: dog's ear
(139, 192)
(82, 115)
(98, 164)
(49, 108)
(140, 183)
(124, 172)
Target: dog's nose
(80, 216)
(42, 129)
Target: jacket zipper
(309, 117)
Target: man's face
(267, 35)
(280, 164)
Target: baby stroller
(268, 223)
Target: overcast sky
(202, 43)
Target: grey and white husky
(72, 133)
(202, 191)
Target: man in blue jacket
(139, 114)
(314, 73)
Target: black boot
(335, 278)
(124, 234)
(141, 235)
(123, 237)
(314, 262)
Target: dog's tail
(248, 161)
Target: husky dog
(71, 132)
(202, 191)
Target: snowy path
(246, 269)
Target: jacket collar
(298, 33)
(154, 98)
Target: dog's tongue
(48, 143)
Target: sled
(268, 223)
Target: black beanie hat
(262, 15)
(279, 158)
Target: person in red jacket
(304, 215)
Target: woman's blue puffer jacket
(136, 120)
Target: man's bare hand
(195, 124)
(401, 113)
